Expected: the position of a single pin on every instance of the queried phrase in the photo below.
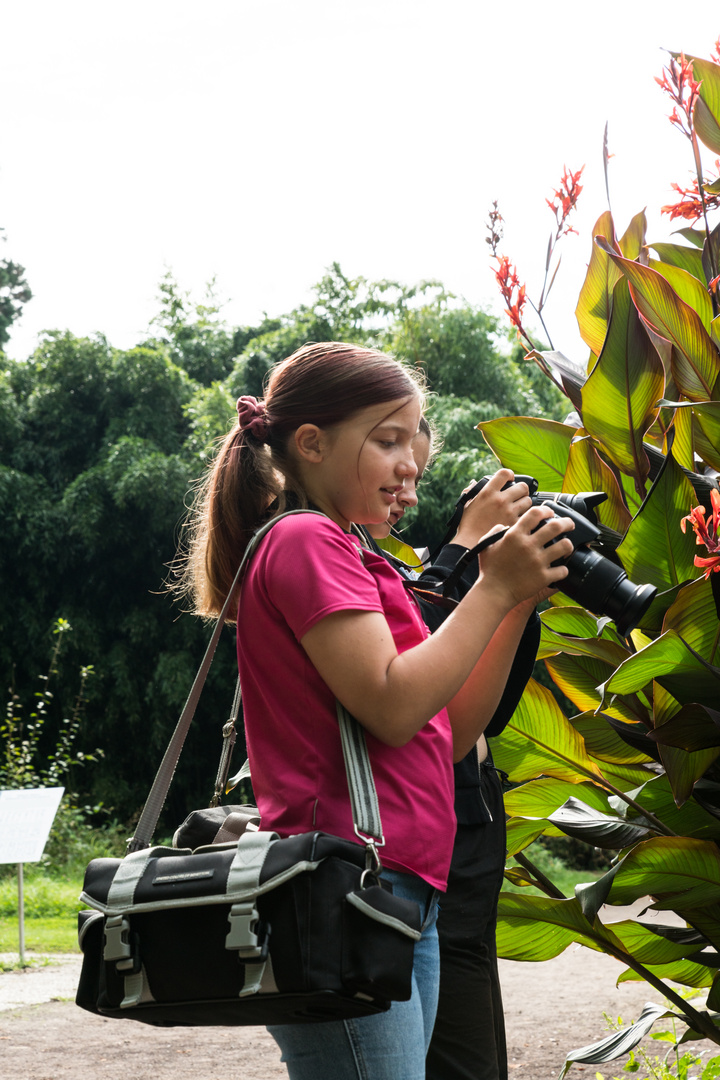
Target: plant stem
(544, 883)
(659, 825)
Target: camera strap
(454, 521)
(466, 558)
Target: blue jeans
(387, 1046)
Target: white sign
(26, 817)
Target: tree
(14, 294)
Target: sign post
(26, 817)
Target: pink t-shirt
(304, 569)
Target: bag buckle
(121, 945)
(247, 934)
(373, 866)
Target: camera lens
(604, 588)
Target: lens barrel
(605, 589)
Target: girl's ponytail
(231, 503)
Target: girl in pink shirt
(320, 619)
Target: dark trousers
(468, 1041)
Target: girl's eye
(386, 444)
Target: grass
(50, 903)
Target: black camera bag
(263, 931)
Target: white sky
(260, 141)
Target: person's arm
(395, 694)
(491, 503)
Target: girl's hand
(492, 506)
(519, 567)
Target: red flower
(690, 206)
(677, 81)
(507, 279)
(707, 533)
(566, 198)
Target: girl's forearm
(395, 694)
(474, 706)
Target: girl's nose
(408, 496)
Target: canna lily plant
(635, 768)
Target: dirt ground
(551, 1008)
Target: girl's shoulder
(309, 532)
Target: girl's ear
(310, 443)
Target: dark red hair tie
(252, 417)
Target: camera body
(594, 581)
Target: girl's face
(406, 498)
(357, 469)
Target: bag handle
(363, 794)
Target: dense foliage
(634, 770)
(99, 449)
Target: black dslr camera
(594, 581)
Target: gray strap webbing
(359, 772)
(122, 888)
(244, 873)
(363, 796)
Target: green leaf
(696, 361)
(654, 548)
(680, 874)
(689, 288)
(693, 236)
(694, 618)
(536, 448)
(570, 620)
(632, 241)
(657, 798)
(675, 666)
(595, 300)
(540, 740)
(538, 798)
(586, 471)
(534, 928)
(618, 398)
(610, 652)
(682, 448)
(521, 832)
(679, 971)
(648, 947)
(579, 678)
(706, 416)
(687, 258)
(715, 330)
(518, 875)
(604, 742)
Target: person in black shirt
(468, 1041)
